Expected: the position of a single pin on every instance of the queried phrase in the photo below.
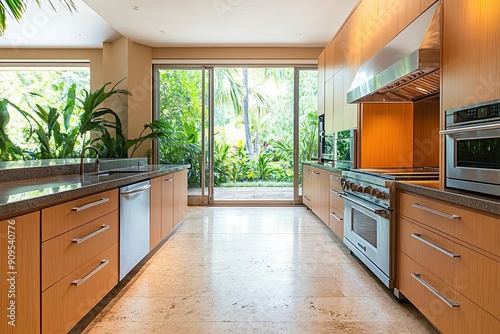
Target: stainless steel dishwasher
(134, 225)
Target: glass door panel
(182, 95)
(253, 134)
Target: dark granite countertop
(327, 167)
(463, 198)
(30, 194)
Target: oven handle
(470, 129)
(381, 213)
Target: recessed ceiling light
(298, 35)
(135, 7)
(162, 32)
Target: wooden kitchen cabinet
(329, 107)
(155, 235)
(453, 250)
(307, 186)
(321, 196)
(321, 83)
(79, 253)
(180, 195)
(20, 268)
(167, 204)
(336, 221)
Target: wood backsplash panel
(386, 135)
(426, 134)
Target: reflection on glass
(365, 227)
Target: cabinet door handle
(335, 216)
(80, 281)
(436, 212)
(317, 173)
(333, 177)
(427, 242)
(438, 294)
(169, 179)
(93, 234)
(333, 191)
(90, 205)
(138, 190)
(307, 198)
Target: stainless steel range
(369, 215)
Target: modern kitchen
(394, 227)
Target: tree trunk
(246, 121)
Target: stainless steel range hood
(407, 68)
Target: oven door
(367, 233)
(473, 158)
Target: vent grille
(415, 86)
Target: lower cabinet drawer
(69, 300)
(431, 306)
(465, 318)
(470, 273)
(67, 252)
(336, 201)
(337, 222)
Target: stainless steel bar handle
(427, 242)
(80, 281)
(436, 212)
(470, 129)
(93, 234)
(90, 205)
(438, 294)
(307, 198)
(317, 173)
(381, 213)
(334, 191)
(170, 179)
(335, 216)
(333, 177)
(138, 190)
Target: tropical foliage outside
(253, 123)
(52, 114)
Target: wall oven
(473, 148)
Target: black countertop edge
(12, 209)
(322, 166)
(477, 202)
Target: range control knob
(347, 185)
(367, 190)
(354, 187)
(360, 189)
(381, 195)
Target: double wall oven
(369, 215)
(473, 148)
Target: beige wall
(299, 54)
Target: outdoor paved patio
(249, 193)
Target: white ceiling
(188, 23)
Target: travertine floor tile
(255, 270)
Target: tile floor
(255, 270)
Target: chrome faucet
(91, 147)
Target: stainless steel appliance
(369, 217)
(473, 148)
(134, 225)
(407, 68)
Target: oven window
(479, 153)
(365, 227)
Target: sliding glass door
(182, 103)
(244, 130)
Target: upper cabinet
(321, 84)
(470, 66)
(371, 25)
